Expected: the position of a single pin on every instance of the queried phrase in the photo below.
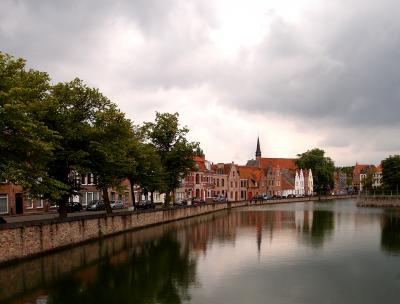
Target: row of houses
(362, 176)
(260, 176)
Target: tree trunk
(152, 197)
(167, 198)
(62, 208)
(132, 183)
(107, 201)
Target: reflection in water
(268, 248)
(158, 272)
(322, 226)
(390, 239)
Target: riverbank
(32, 238)
(379, 201)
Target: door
(19, 208)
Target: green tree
(108, 149)
(391, 172)
(175, 151)
(151, 175)
(71, 110)
(26, 143)
(322, 168)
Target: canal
(314, 252)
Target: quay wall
(378, 201)
(32, 238)
(25, 239)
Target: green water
(330, 252)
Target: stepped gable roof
(287, 163)
(248, 172)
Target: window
(83, 179)
(222, 182)
(29, 202)
(89, 179)
(89, 197)
(3, 203)
(197, 179)
(39, 203)
(217, 182)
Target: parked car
(181, 202)
(96, 205)
(117, 205)
(220, 199)
(197, 201)
(74, 206)
(145, 204)
(266, 197)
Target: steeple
(258, 151)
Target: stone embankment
(25, 239)
(32, 238)
(379, 201)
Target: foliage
(175, 151)
(322, 168)
(26, 143)
(50, 134)
(71, 110)
(391, 172)
(108, 150)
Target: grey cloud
(352, 79)
(339, 70)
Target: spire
(258, 151)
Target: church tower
(258, 152)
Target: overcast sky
(300, 74)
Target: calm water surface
(330, 252)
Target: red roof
(253, 173)
(285, 185)
(358, 168)
(287, 163)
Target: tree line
(48, 132)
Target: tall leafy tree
(391, 172)
(71, 110)
(151, 175)
(175, 151)
(26, 143)
(322, 168)
(108, 149)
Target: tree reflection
(157, 272)
(390, 237)
(321, 228)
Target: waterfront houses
(281, 176)
(367, 177)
